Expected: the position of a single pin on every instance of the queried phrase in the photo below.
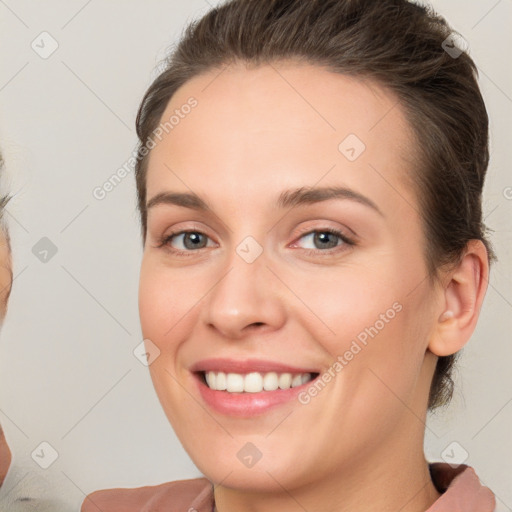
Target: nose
(246, 298)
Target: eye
(187, 241)
(325, 240)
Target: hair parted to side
(397, 44)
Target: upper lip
(246, 366)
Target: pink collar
(461, 489)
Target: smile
(250, 387)
(254, 382)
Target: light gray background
(67, 372)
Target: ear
(462, 299)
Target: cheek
(163, 302)
(343, 305)
(5, 281)
(165, 297)
(369, 322)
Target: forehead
(280, 125)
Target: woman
(5, 290)
(21, 490)
(309, 181)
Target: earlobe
(461, 302)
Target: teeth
(254, 382)
(221, 382)
(271, 381)
(234, 383)
(285, 380)
(296, 380)
(210, 379)
(306, 377)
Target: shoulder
(461, 489)
(170, 496)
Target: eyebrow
(287, 199)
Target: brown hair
(399, 45)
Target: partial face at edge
(5, 287)
(5, 273)
(305, 301)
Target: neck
(401, 493)
(397, 478)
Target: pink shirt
(460, 487)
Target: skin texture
(5, 288)
(254, 133)
(5, 457)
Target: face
(326, 293)
(5, 274)
(5, 287)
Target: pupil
(323, 238)
(194, 238)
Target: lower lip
(247, 404)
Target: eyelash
(165, 241)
